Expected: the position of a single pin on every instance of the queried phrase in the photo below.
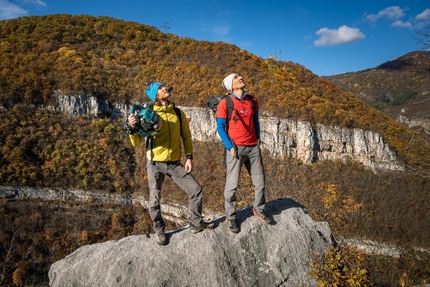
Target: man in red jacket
(240, 133)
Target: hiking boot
(160, 238)
(203, 226)
(232, 225)
(261, 215)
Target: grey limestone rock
(281, 137)
(260, 255)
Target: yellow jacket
(166, 145)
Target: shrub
(403, 98)
(340, 267)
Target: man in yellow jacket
(164, 158)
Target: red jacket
(241, 128)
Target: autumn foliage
(114, 60)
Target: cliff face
(281, 137)
(260, 255)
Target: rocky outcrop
(260, 255)
(175, 212)
(66, 195)
(423, 122)
(172, 211)
(281, 137)
(88, 105)
(300, 140)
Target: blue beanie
(151, 90)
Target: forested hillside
(399, 88)
(114, 60)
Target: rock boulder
(259, 255)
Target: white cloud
(221, 30)
(246, 44)
(9, 10)
(401, 24)
(38, 2)
(343, 35)
(393, 13)
(424, 16)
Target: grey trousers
(156, 173)
(249, 156)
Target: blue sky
(327, 37)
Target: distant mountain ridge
(417, 61)
(400, 88)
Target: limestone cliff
(281, 137)
(260, 255)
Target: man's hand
(189, 166)
(132, 121)
(232, 152)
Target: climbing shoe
(261, 215)
(203, 226)
(232, 225)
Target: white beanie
(228, 82)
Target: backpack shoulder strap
(230, 106)
(252, 99)
(179, 115)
